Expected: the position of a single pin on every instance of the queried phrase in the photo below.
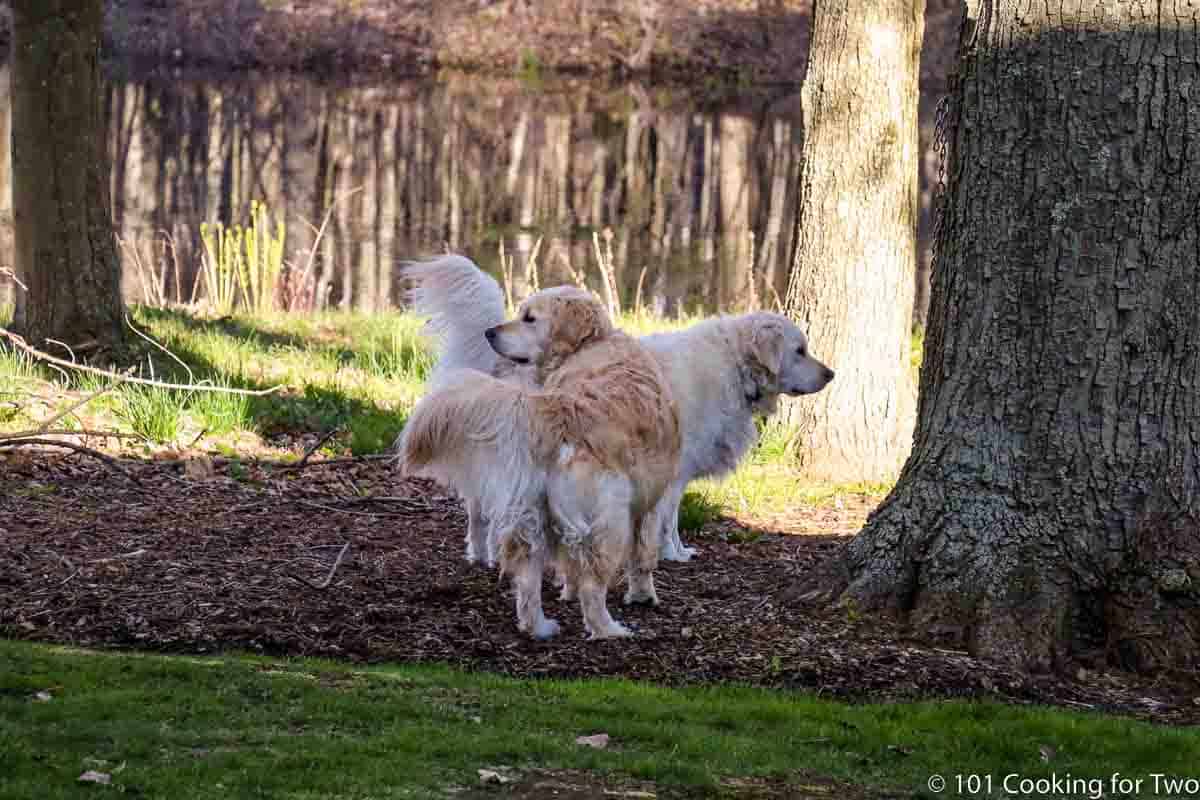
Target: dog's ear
(767, 342)
(576, 322)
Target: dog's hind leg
(565, 580)
(480, 548)
(525, 563)
(667, 512)
(597, 562)
(644, 561)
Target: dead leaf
(198, 469)
(91, 776)
(1047, 752)
(491, 776)
(598, 740)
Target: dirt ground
(343, 559)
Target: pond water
(695, 197)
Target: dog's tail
(479, 436)
(462, 301)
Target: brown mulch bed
(179, 557)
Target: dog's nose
(828, 374)
(489, 334)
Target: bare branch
(333, 462)
(45, 426)
(151, 340)
(20, 343)
(328, 435)
(8, 273)
(328, 578)
(31, 441)
(68, 432)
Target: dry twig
(33, 441)
(20, 343)
(328, 578)
(328, 435)
(8, 273)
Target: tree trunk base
(1011, 585)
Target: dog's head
(550, 326)
(776, 352)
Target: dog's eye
(528, 317)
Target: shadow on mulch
(176, 564)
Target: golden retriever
(571, 472)
(723, 372)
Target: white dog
(722, 372)
(570, 470)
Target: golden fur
(571, 471)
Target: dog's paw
(614, 631)
(546, 628)
(479, 561)
(678, 553)
(641, 598)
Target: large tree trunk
(852, 280)
(1049, 511)
(65, 249)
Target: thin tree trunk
(734, 184)
(852, 281)
(1050, 511)
(7, 287)
(65, 249)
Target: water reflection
(699, 198)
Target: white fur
(722, 372)
(570, 472)
(461, 302)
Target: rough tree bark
(852, 279)
(1050, 511)
(65, 249)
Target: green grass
(356, 373)
(696, 510)
(252, 727)
(153, 413)
(221, 413)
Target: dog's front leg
(667, 512)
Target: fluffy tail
(461, 301)
(477, 435)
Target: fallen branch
(8, 273)
(331, 462)
(31, 441)
(336, 510)
(45, 426)
(141, 551)
(68, 432)
(21, 344)
(308, 453)
(328, 578)
(153, 341)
